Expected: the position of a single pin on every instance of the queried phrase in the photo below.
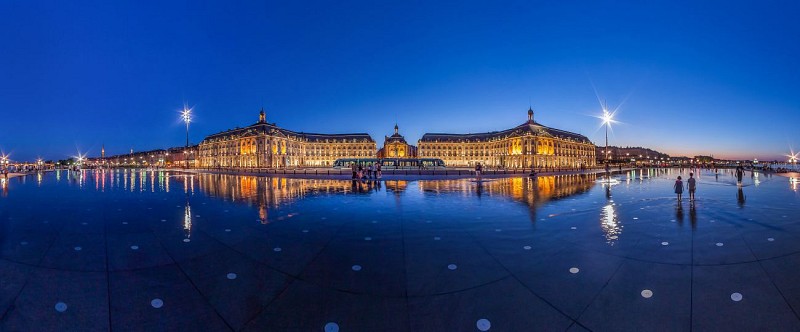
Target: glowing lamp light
(186, 114)
(607, 117)
(793, 156)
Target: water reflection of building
(266, 192)
(531, 191)
(527, 145)
(396, 186)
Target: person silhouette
(678, 188)
(692, 183)
(739, 174)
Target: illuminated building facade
(172, 157)
(265, 145)
(527, 145)
(395, 146)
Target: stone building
(265, 145)
(528, 145)
(395, 146)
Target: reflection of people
(478, 169)
(480, 189)
(679, 213)
(692, 186)
(679, 188)
(693, 215)
(740, 197)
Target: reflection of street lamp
(187, 219)
(186, 115)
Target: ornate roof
(272, 129)
(530, 127)
(396, 137)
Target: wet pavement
(132, 250)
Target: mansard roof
(273, 129)
(529, 127)
(395, 138)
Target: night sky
(695, 77)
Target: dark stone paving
(126, 250)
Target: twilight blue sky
(694, 77)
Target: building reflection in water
(270, 192)
(266, 193)
(396, 186)
(532, 191)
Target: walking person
(692, 183)
(478, 169)
(739, 174)
(370, 171)
(679, 188)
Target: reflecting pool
(160, 250)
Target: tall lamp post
(607, 118)
(186, 115)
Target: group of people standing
(372, 171)
(691, 184)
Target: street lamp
(186, 115)
(793, 157)
(607, 119)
